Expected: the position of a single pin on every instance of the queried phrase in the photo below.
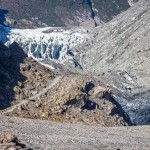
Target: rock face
(61, 13)
(120, 53)
(6, 74)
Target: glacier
(46, 44)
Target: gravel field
(45, 135)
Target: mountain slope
(120, 52)
(31, 13)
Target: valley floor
(45, 135)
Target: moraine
(46, 44)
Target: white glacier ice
(48, 43)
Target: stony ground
(45, 135)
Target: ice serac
(48, 44)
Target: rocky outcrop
(11, 142)
(74, 98)
(106, 10)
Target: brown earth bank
(37, 92)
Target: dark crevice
(89, 86)
(90, 105)
(92, 11)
